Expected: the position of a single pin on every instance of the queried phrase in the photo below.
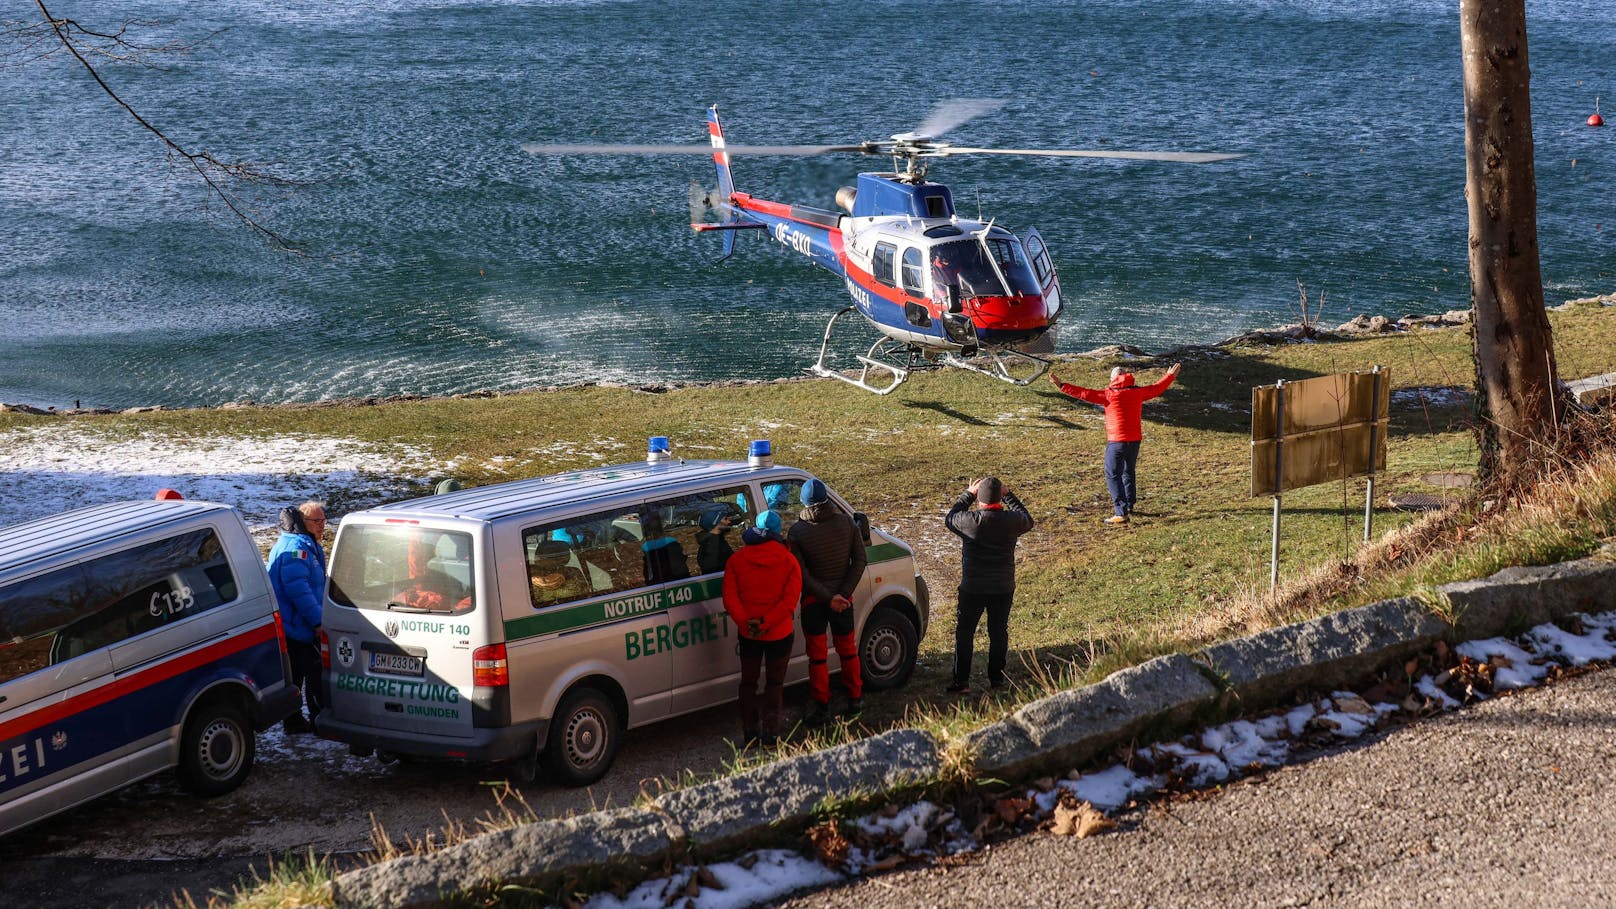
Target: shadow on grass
(947, 411)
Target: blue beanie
(770, 521)
(711, 517)
(813, 492)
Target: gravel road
(134, 848)
(1505, 803)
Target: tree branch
(39, 40)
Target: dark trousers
(305, 660)
(1121, 458)
(971, 608)
(760, 714)
(816, 618)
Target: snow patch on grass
(51, 469)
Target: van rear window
(405, 569)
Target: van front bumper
(505, 743)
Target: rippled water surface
(448, 260)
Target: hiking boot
(818, 715)
(958, 688)
(998, 683)
(855, 706)
(1117, 519)
(296, 725)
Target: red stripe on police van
(127, 686)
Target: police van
(515, 622)
(134, 637)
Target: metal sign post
(1279, 473)
(1374, 430)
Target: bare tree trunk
(1515, 367)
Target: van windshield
(402, 568)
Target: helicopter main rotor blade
(1182, 157)
(951, 114)
(534, 148)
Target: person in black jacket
(830, 548)
(987, 574)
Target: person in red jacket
(762, 585)
(1122, 400)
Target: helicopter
(942, 290)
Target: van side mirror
(863, 523)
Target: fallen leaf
(1011, 809)
(693, 887)
(829, 844)
(709, 879)
(1353, 704)
(747, 861)
(1044, 783)
(1093, 824)
(888, 863)
(890, 810)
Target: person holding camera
(987, 574)
(712, 550)
(762, 584)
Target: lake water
(447, 260)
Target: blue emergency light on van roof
(656, 449)
(760, 453)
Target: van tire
(217, 749)
(583, 738)
(888, 649)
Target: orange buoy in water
(1595, 120)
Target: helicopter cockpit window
(882, 261)
(913, 259)
(966, 262)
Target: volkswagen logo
(390, 629)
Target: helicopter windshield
(965, 263)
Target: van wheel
(888, 649)
(216, 752)
(583, 738)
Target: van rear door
(404, 618)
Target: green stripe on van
(645, 602)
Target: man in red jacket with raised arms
(1122, 400)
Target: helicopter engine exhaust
(845, 197)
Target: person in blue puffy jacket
(297, 575)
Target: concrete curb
(1161, 697)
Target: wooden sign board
(1317, 430)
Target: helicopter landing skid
(887, 358)
(1000, 369)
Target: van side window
(76, 610)
(784, 497)
(682, 521)
(583, 557)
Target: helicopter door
(1044, 270)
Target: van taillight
(325, 650)
(280, 631)
(489, 668)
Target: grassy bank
(1198, 548)
(1193, 567)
